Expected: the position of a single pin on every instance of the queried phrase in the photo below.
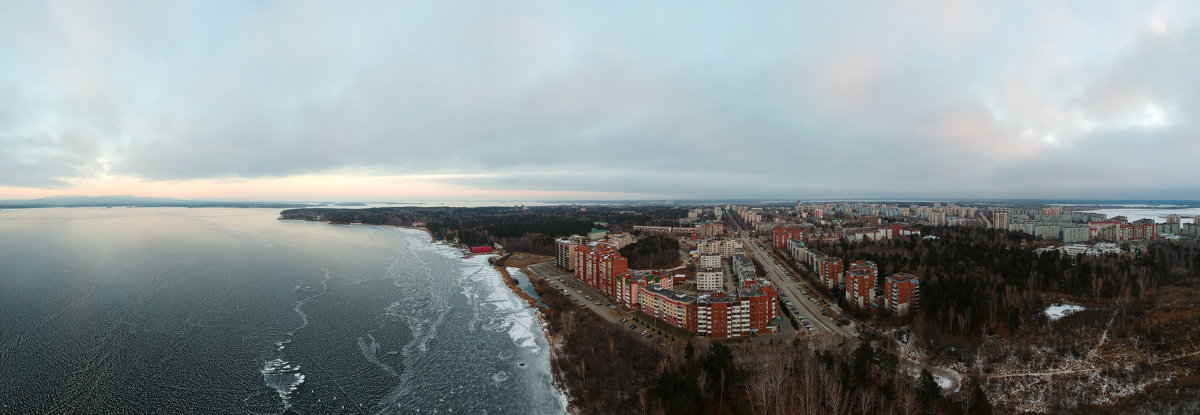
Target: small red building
(481, 249)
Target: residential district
(721, 293)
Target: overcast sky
(293, 100)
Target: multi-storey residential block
(720, 316)
(762, 299)
(724, 247)
(672, 307)
(710, 261)
(1075, 233)
(711, 228)
(860, 283)
(1000, 220)
(564, 252)
(600, 266)
(621, 240)
(743, 265)
(783, 233)
(798, 249)
(831, 271)
(901, 293)
(937, 218)
(710, 279)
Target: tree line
(526, 228)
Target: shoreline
(556, 375)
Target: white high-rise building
(710, 279)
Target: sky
(529, 100)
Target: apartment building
(860, 283)
(901, 293)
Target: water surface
(172, 310)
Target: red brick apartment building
(860, 283)
(783, 233)
(601, 266)
(830, 269)
(902, 293)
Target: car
(578, 292)
(644, 332)
(624, 320)
(612, 306)
(633, 326)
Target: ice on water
(284, 377)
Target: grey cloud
(783, 99)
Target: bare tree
(643, 403)
(908, 400)
(759, 390)
(866, 400)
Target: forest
(652, 251)
(605, 366)
(977, 282)
(807, 376)
(524, 228)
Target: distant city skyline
(296, 101)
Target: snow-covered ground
(1058, 311)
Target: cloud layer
(790, 99)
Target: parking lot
(650, 329)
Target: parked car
(644, 332)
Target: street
(578, 291)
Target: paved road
(783, 278)
(790, 286)
(579, 291)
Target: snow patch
(1058, 311)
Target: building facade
(710, 279)
(902, 293)
(860, 283)
(564, 251)
(672, 307)
(783, 233)
(1000, 220)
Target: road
(579, 291)
(790, 286)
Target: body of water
(1159, 214)
(165, 310)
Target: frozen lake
(173, 310)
